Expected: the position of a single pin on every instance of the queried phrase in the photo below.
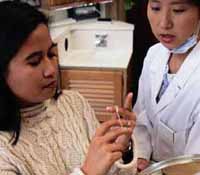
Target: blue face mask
(188, 44)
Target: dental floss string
(118, 116)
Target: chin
(35, 99)
(47, 94)
(51, 93)
(169, 46)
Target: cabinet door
(100, 88)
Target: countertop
(95, 59)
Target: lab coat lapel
(156, 73)
(168, 96)
(191, 63)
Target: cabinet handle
(66, 44)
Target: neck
(175, 62)
(26, 105)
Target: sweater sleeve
(7, 172)
(6, 167)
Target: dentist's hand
(127, 114)
(103, 150)
(142, 164)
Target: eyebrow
(40, 53)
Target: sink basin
(96, 44)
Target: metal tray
(181, 165)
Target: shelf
(67, 6)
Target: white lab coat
(170, 127)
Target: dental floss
(118, 116)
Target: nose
(166, 21)
(50, 68)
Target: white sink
(96, 44)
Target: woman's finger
(128, 101)
(126, 114)
(142, 164)
(113, 147)
(123, 112)
(113, 157)
(116, 156)
(112, 135)
(106, 126)
(127, 104)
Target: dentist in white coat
(168, 102)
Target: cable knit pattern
(54, 138)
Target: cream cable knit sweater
(54, 138)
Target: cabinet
(114, 8)
(100, 72)
(58, 5)
(66, 4)
(101, 87)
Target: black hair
(196, 2)
(18, 21)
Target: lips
(167, 38)
(52, 84)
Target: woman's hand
(127, 114)
(142, 164)
(103, 150)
